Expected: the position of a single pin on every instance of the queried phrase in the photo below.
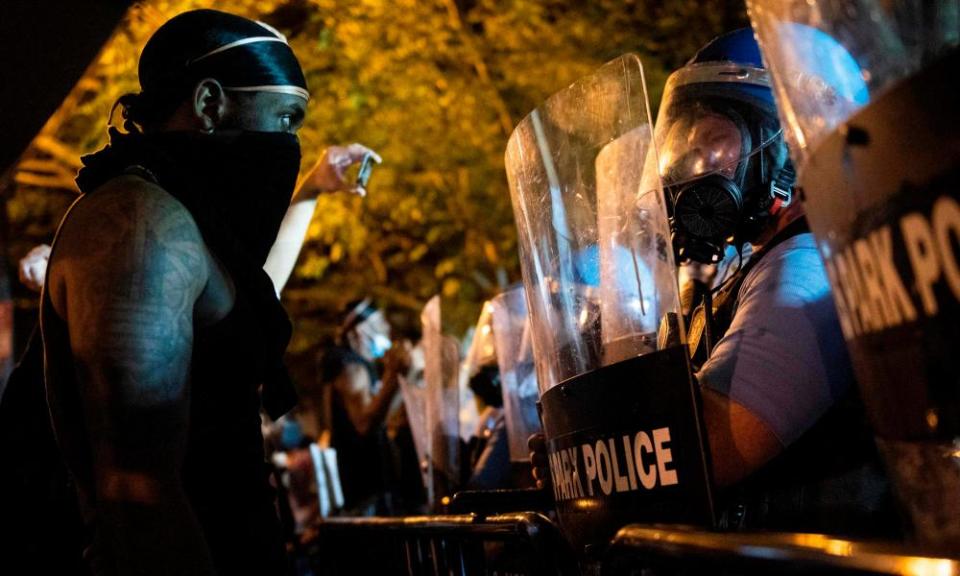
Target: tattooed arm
(128, 271)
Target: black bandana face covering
(245, 181)
(237, 185)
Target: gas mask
(377, 345)
(722, 159)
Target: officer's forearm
(740, 442)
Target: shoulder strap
(724, 303)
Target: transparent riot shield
(414, 392)
(601, 287)
(594, 243)
(818, 81)
(866, 94)
(518, 378)
(830, 58)
(482, 350)
(441, 374)
(638, 280)
(479, 353)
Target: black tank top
(360, 457)
(224, 474)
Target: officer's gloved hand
(694, 278)
(538, 460)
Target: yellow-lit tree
(435, 86)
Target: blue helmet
(721, 149)
(736, 48)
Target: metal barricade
(524, 543)
(669, 550)
(489, 502)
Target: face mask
(253, 176)
(377, 345)
(721, 187)
(237, 185)
(703, 163)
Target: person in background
(372, 457)
(35, 487)
(488, 452)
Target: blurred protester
(36, 492)
(488, 451)
(377, 462)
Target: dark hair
(486, 385)
(355, 312)
(184, 51)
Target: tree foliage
(435, 86)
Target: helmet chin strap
(781, 188)
(773, 194)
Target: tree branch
(456, 21)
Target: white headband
(283, 89)
(242, 42)
(286, 89)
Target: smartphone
(366, 168)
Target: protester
(162, 332)
(375, 453)
(488, 451)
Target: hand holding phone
(334, 172)
(366, 169)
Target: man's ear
(209, 104)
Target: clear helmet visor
(709, 122)
(700, 143)
(829, 59)
(374, 335)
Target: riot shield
(619, 408)
(638, 280)
(479, 353)
(866, 95)
(414, 392)
(482, 350)
(518, 379)
(441, 375)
